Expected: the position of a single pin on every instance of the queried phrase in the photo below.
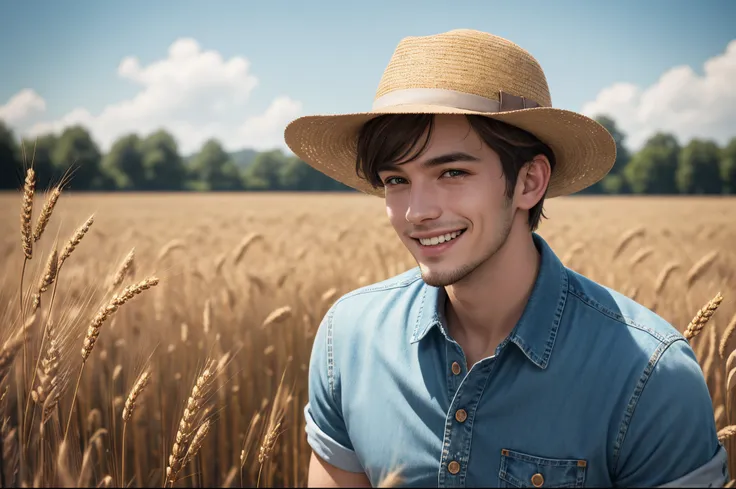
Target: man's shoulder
(397, 286)
(391, 300)
(618, 314)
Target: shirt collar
(536, 330)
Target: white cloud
(21, 106)
(681, 102)
(192, 93)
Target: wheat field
(188, 367)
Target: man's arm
(669, 438)
(333, 462)
(322, 474)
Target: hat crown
(467, 61)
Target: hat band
(452, 98)
(436, 96)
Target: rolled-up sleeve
(325, 426)
(668, 436)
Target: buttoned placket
(465, 388)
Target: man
(491, 363)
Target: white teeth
(439, 239)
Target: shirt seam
(636, 396)
(597, 306)
(331, 355)
(379, 288)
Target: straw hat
(462, 72)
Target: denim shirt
(589, 389)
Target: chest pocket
(523, 470)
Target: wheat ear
(118, 300)
(726, 433)
(52, 267)
(75, 240)
(702, 317)
(726, 336)
(94, 329)
(45, 216)
(185, 431)
(26, 213)
(126, 268)
(130, 404)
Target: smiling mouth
(438, 240)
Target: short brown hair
(388, 139)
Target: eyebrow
(436, 161)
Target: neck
(485, 306)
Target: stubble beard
(464, 271)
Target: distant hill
(242, 158)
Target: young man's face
(449, 206)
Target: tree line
(154, 163)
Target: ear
(532, 182)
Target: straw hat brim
(584, 150)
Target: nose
(423, 206)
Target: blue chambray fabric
(589, 389)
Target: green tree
(215, 169)
(296, 175)
(698, 171)
(164, 166)
(11, 173)
(266, 170)
(652, 169)
(728, 166)
(77, 153)
(124, 163)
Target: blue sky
(328, 56)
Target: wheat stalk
(135, 392)
(664, 275)
(126, 268)
(726, 337)
(26, 213)
(626, 239)
(118, 300)
(12, 346)
(172, 245)
(130, 404)
(184, 433)
(47, 279)
(278, 315)
(45, 216)
(94, 328)
(74, 241)
(699, 268)
(197, 441)
(726, 433)
(273, 427)
(48, 377)
(702, 317)
(244, 244)
(640, 255)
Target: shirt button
(537, 480)
(461, 415)
(456, 368)
(453, 467)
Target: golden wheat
(264, 304)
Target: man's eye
(455, 173)
(392, 181)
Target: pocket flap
(524, 470)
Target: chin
(444, 276)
